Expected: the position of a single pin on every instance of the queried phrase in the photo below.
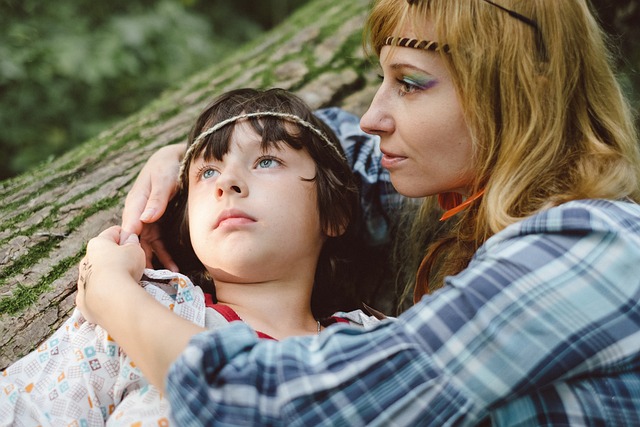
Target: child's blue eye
(268, 162)
(207, 173)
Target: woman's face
(425, 141)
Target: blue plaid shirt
(378, 198)
(542, 328)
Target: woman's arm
(540, 307)
(109, 294)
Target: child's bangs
(216, 145)
(272, 132)
(275, 131)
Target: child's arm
(109, 294)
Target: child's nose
(231, 189)
(230, 185)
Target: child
(265, 199)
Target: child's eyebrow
(196, 144)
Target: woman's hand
(147, 200)
(109, 268)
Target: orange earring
(452, 203)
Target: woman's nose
(377, 120)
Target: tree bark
(49, 214)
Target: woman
(527, 310)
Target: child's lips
(233, 217)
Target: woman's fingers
(134, 205)
(163, 256)
(148, 253)
(147, 201)
(156, 183)
(152, 244)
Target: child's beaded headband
(199, 141)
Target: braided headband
(199, 141)
(415, 43)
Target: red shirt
(230, 315)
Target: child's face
(251, 215)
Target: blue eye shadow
(420, 81)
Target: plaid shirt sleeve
(542, 328)
(378, 198)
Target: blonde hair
(548, 119)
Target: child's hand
(107, 269)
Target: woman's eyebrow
(404, 65)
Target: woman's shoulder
(581, 217)
(586, 241)
(339, 120)
(358, 145)
(569, 224)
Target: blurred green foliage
(69, 68)
(621, 20)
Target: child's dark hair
(336, 187)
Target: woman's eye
(410, 85)
(268, 162)
(407, 86)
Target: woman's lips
(390, 161)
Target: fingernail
(132, 239)
(147, 214)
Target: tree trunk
(49, 214)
